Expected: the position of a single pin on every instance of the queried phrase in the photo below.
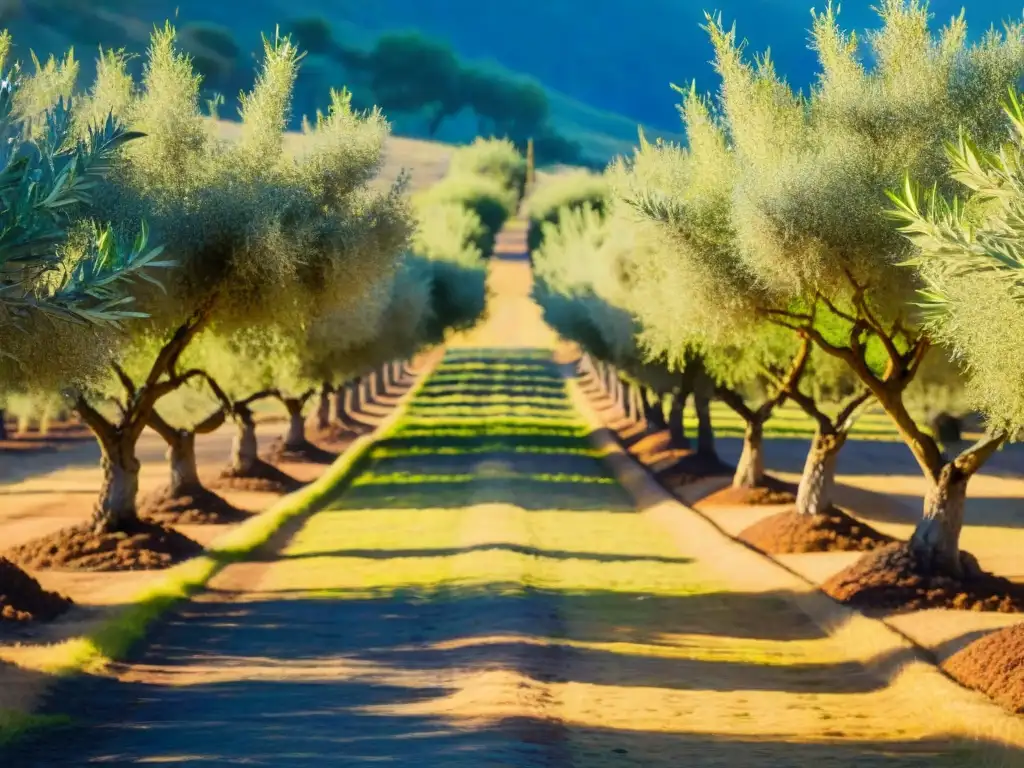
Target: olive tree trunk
(321, 418)
(184, 467)
(677, 421)
(115, 509)
(244, 445)
(654, 414)
(936, 539)
(814, 495)
(750, 468)
(295, 437)
(705, 429)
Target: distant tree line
(408, 72)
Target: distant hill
(605, 64)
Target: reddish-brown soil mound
(994, 665)
(693, 467)
(334, 435)
(306, 453)
(146, 546)
(891, 579)
(22, 598)
(771, 491)
(199, 506)
(262, 477)
(833, 531)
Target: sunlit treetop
(690, 286)
(812, 172)
(257, 234)
(970, 257)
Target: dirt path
(485, 595)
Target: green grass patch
(15, 725)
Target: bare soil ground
(487, 616)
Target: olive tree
(584, 271)
(693, 296)
(969, 258)
(254, 233)
(809, 204)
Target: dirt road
(484, 594)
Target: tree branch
(126, 381)
(162, 427)
(835, 310)
(211, 423)
(971, 460)
(105, 432)
(261, 395)
(849, 413)
(734, 400)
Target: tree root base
(691, 468)
(891, 579)
(307, 453)
(993, 665)
(261, 477)
(790, 532)
(769, 493)
(22, 598)
(143, 546)
(197, 506)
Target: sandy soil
(488, 614)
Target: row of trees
(274, 277)
(786, 250)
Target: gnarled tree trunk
(295, 437)
(372, 386)
(936, 540)
(115, 509)
(677, 421)
(184, 467)
(244, 446)
(817, 483)
(321, 419)
(341, 401)
(750, 468)
(653, 413)
(356, 402)
(705, 430)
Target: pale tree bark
(295, 437)
(750, 469)
(181, 453)
(116, 509)
(321, 418)
(385, 378)
(815, 493)
(372, 386)
(936, 539)
(341, 404)
(244, 458)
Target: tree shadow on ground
(359, 681)
(360, 675)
